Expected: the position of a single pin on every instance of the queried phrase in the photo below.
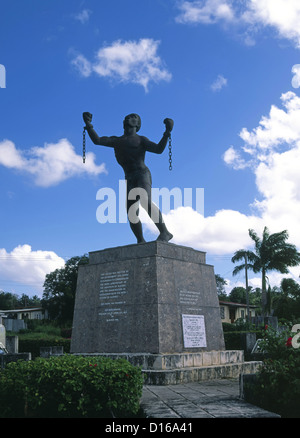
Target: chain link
(83, 145)
(170, 152)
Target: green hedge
(228, 327)
(70, 387)
(233, 340)
(29, 344)
(277, 384)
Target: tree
(272, 252)
(287, 300)
(26, 301)
(238, 295)
(60, 288)
(255, 296)
(8, 300)
(248, 257)
(290, 288)
(221, 283)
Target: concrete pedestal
(173, 369)
(151, 298)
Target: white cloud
(296, 77)
(219, 83)
(82, 65)
(273, 151)
(134, 62)
(27, 267)
(83, 16)
(278, 131)
(207, 12)
(254, 280)
(51, 164)
(223, 233)
(283, 15)
(9, 156)
(278, 181)
(252, 15)
(234, 159)
(280, 128)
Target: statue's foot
(165, 237)
(141, 240)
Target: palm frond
(238, 269)
(240, 255)
(255, 238)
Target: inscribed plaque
(112, 294)
(193, 327)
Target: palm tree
(247, 256)
(272, 253)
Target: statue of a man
(130, 150)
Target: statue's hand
(87, 117)
(169, 124)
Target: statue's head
(138, 121)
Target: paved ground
(210, 399)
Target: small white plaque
(193, 327)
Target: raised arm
(103, 141)
(158, 148)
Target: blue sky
(226, 71)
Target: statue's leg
(157, 218)
(135, 225)
(137, 231)
(155, 214)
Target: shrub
(239, 325)
(42, 326)
(66, 333)
(70, 387)
(232, 333)
(277, 386)
(31, 343)
(233, 339)
(228, 327)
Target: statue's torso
(130, 153)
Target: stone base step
(172, 368)
(171, 361)
(198, 374)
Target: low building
(25, 313)
(15, 320)
(230, 312)
(2, 336)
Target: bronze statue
(130, 150)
